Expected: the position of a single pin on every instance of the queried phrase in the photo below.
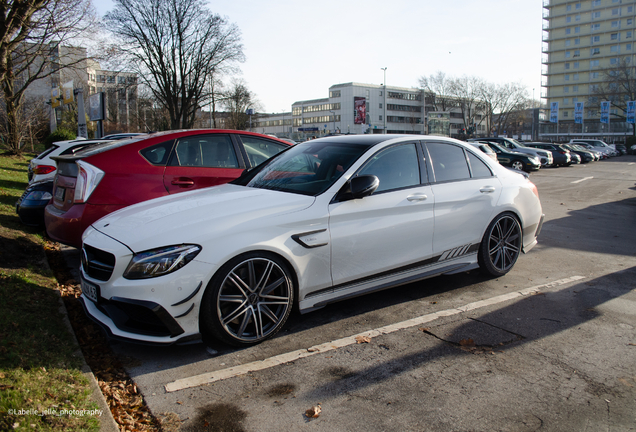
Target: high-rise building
(585, 42)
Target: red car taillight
(534, 189)
(43, 169)
(88, 177)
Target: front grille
(97, 264)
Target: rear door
(200, 161)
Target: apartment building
(584, 43)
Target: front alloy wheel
(249, 300)
(500, 246)
(518, 165)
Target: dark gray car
(544, 156)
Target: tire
(516, 164)
(501, 245)
(248, 300)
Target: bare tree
(503, 100)
(618, 86)
(31, 48)
(437, 90)
(237, 100)
(467, 91)
(176, 46)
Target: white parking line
(222, 374)
(583, 179)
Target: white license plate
(59, 194)
(89, 290)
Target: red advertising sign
(360, 106)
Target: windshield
(308, 169)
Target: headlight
(159, 262)
(38, 196)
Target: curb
(106, 420)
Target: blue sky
(295, 49)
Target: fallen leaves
(313, 412)
(363, 339)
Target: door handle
(183, 182)
(487, 189)
(417, 197)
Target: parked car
(516, 160)
(30, 206)
(42, 167)
(545, 157)
(597, 144)
(123, 135)
(585, 155)
(598, 155)
(560, 156)
(110, 176)
(485, 148)
(326, 220)
(621, 149)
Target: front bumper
(161, 310)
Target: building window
(594, 63)
(596, 2)
(578, 6)
(565, 114)
(577, 29)
(567, 65)
(567, 77)
(575, 100)
(595, 51)
(596, 14)
(593, 75)
(575, 89)
(567, 54)
(628, 35)
(566, 89)
(596, 27)
(576, 65)
(616, 11)
(593, 88)
(630, 9)
(568, 19)
(630, 22)
(577, 41)
(336, 94)
(380, 106)
(566, 101)
(568, 8)
(615, 24)
(577, 53)
(614, 61)
(614, 36)
(567, 43)
(577, 18)
(567, 31)
(615, 49)
(595, 39)
(628, 47)
(575, 77)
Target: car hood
(191, 217)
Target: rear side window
(210, 151)
(259, 150)
(47, 151)
(478, 167)
(158, 154)
(449, 162)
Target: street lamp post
(384, 105)
(334, 121)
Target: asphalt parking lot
(550, 346)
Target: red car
(92, 183)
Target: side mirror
(358, 187)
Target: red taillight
(43, 169)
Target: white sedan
(325, 220)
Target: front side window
(396, 167)
(210, 151)
(449, 162)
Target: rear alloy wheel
(248, 300)
(500, 246)
(517, 164)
